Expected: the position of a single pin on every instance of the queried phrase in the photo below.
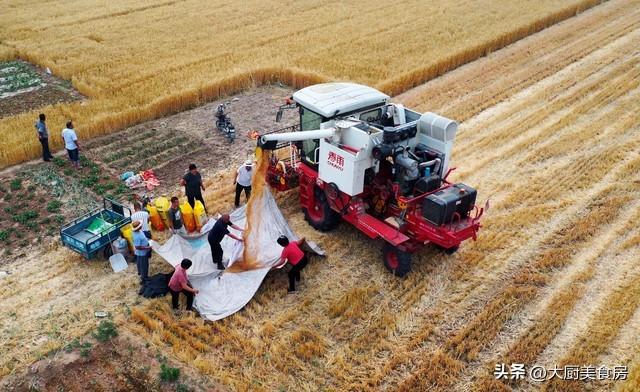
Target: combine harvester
(377, 165)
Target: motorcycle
(223, 122)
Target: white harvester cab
(360, 127)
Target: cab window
(310, 121)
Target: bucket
(127, 233)
(162, 206)
(199, 214)
(187, 217)
(155, 218)
(120, 246)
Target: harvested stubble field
(140, 60)
(550, 130)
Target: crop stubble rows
(559, 189)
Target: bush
(25, 217)
(15, 184)
(59, 161)
(182, 388)
(169, 374)
(54, 206)
(85, 349)
(4, 235)
(106, 331)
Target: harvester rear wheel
(321, 216)
(397, 261)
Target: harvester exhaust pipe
(269, 141)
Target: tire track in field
(525, 337)
(482, 280)
(532, 125)
(534, 104)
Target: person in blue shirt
(141, 250)
(43, 136)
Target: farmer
(141, 250)
(43, 136)
(175, 217)
(142, 216)
(217, 233)
(242, 180)
(71, 144)
(180, 284)
(193, 186)
(295, 256)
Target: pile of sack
(145, 178)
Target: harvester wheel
(321, 216)
(396, 260)
(448, 251)
(451, 251)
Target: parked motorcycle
(223, 122)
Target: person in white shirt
(71, 144)
(242, 180)
(142, 216)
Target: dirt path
(170, 144)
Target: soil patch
(121, 364)
(170, 144)
(38, 199)
(24, 87)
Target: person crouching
(180, 284)
(295, 256)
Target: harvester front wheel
(397, 261)
(321, 216)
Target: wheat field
(139, 60)
(550, 132)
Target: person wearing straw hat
(242, 180)
(141, 250)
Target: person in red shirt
(179, 284)
(294, 255)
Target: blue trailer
(94, 232)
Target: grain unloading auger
(377, 165)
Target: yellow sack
(127, 233)
(200, 214)
(155, 218)
(162, 206)
(187, 217)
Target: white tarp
(222, 294)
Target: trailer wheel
(321, 216)
(397, 261)
(107, 251)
